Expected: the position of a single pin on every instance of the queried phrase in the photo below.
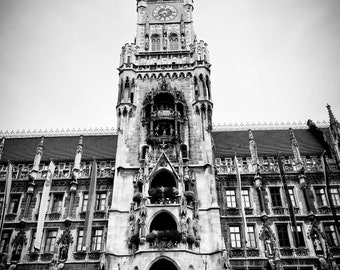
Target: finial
(41, 143)
(251, 136)
(40, 147)
(291, 135)
(80, 142)
(332, 119)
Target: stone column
(176, 121)
(151, 122)
(33, 175)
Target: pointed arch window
(173, 42)
(155, 43)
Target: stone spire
(253, 151)
(2, 146)
(295, 148)
(334, 129)
(332, 119)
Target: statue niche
(18, 243)
(64, 243)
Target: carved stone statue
(63, 252)
(184, 226)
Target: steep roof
(103, 147)
(268, 142)
(60, 148)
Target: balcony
(54, 216)
(46, 257)
(164, 195)
(232, 212)
(302, 252)
(280, 211)
(287, 252)
(11, 217)
(270, 164)
(164, 239)
(164, 115)
(167, 138)
(236, 253)
(325, 210)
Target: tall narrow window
(51, 237)
(251, 243)
(331, 236)
(282, 234)
(1, 204)
(235, 237)
(245, 198)
(335, 196)
(231, 198)
(33, 234)
(275, 196)
(57, 203)
(5, 240)
(80, 237)
(97, 236)
(100, 201)
(173, 42)
(85, 200)
(292, 196)
(14, 204)
(155, 43)
(321, 196)
(300, 235)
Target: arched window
(173, 42)
(163, 179)
(163, 264)
(155, 43)
(163, 222)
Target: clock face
(164, 13)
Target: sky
(272, 61)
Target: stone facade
(168, 192)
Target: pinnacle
(332, 119)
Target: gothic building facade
(167, 190)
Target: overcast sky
(272, 60)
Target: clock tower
(164, 210)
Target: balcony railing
(62, 170)
(270, 164)
(280, 211)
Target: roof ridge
(58, 132)
(266, 126)
(112, 131)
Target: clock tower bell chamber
(164, 210)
